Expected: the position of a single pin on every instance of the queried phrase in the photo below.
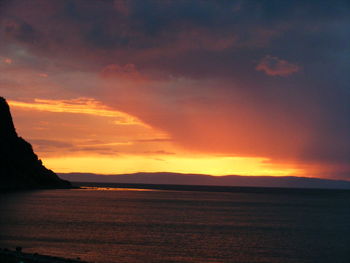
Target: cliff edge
(20, 167)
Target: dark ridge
(207, 180)
(20, 167)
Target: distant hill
(200, 179)
(20, 167)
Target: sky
(214, 87)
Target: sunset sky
(214, 87)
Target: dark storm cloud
(20, 31)
(177, 35)
(304, 43)
(274, 66)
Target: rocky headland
(20, 167)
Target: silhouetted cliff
(20, 167)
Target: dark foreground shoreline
(10, 256)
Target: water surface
(124, 225)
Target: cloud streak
(273, 66)
(79, 106)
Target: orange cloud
(83, 127)
(6, 60)
(79, 106)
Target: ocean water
(125, 225)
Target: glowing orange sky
(84, 135)
(215, 87)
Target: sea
(106, 224)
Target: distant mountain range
(200, 179)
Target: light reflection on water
(124, 225)
(113, 189)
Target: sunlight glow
(203, 165)
(99, 145)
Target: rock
(20, 167)
(10, 256)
